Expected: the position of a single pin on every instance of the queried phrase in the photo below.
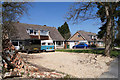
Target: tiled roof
(86, 35)
(22, 33)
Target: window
(15, 43)
(81, 44)
(43, 43)
(92, 36)
(20, 43)
(95, 37)
(35, 32)
(43, 32)
(78, 35)
(31, 31)
(50, 43)
(59, 43)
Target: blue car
(81, 45)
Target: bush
(92, 46)
(115, 53)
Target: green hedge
(113, 53)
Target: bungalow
(30, 31)
(87, 37)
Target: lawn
(114, 53)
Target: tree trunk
(108, 38)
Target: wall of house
(75, 37)
(100, 44)
(41, 37)
(59, 44)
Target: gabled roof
(86, 35)
(22, 33)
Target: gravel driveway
(80, 65)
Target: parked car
(34, 45)
(81, 45)
(47, 45)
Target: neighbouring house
(30, 31)
(87, 37)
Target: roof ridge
(86, 31)
(35, 25)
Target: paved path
(113, 70)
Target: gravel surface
(80, 65)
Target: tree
(64, 31)
(12, 12)
(108, 12)
(117, 40)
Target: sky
(53, 14)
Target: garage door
(71, 44)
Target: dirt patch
(80, 65)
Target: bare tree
(12, 12)
(89, 10)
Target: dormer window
(31, 31)
(95, 37)
(35, 32)
(92, 36)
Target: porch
(59, 44)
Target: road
(113, 70)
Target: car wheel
(74, 47)
(53, 51)
(39, 51)
(43, 50)
(28, 52)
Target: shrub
(93, 46)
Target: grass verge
(114, 53)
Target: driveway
(113, 70)
(79, 65)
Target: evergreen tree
(117, 40)
(64, 31)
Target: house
(87, 37)
(30, 31)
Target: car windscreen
(81, 44)
(50, 43)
